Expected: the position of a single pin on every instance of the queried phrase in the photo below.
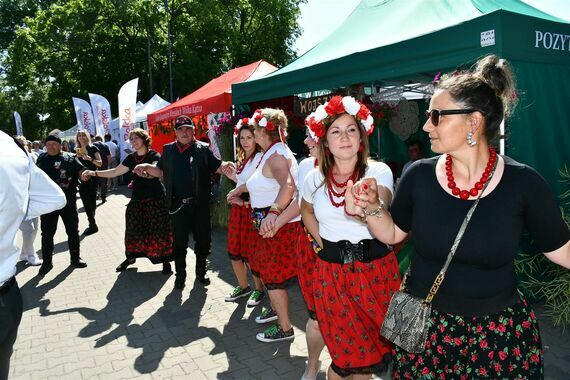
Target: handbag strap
(441, 275)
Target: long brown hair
(240, 152)
(326, 159)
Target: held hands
(86, 175)
(270, 225)
(233, 196)
(229, 170)
(361, 196)
(140, 169)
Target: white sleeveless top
(305, 168)
(248, 169)
(263, 190)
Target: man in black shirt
(187, 166)
(64, 169)
(106, 159)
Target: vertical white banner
(84, 115)
(127, 111)
(102, 112)
(18, 121)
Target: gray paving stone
(94, 323)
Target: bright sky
(319, 18)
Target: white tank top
(263, 190)
(248, 169)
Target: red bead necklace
(140, 160)
(242, 166)
(464, 194)
(331, 190)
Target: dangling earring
(360, 148)
(327, 151)
(470, 140)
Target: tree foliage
(54, 50)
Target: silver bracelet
(378, 212)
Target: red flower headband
(338, 105)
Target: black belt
(5, 288)
(345, 252)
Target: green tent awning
(412, 40)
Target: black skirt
(148, 230)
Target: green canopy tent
(409, 41)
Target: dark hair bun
(498, 75)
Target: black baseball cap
(183, 121)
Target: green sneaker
(255, 298)
(275, 334)
(267, 315)
(238, 293)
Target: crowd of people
(331, 222)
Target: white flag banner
(127, 113)
(84, 115)
(18, 121)
(102, 112)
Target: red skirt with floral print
(241, 234)
(306, 262)
(277, 256)
(351, 301)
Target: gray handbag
(406, 323)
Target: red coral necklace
(465, 194)
(332, 192)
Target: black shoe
(124, 265)
(204, 279)
(78, 263)
(179, 283)
(166, 269)
(45, 268)
(91, 230)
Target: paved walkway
(94, 323)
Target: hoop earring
(470, 140)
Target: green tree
(66, 48)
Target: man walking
(65, 170)
(187, 166)
(25, 192)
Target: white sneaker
(34, 260)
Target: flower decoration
(240, 124)
(338, 105)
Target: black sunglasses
(434, 114)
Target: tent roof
(214, 96)
(155, 103)
(377, 24)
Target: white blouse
(263, 190)
(248, 169)
(334, 224)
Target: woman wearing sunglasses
(480, 325)
(355, 275)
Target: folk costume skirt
(351, 301)
(276, 257)
(148, 230)
(505, 345)
(241, 234)
(306, 263)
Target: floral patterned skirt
(241, 234)
(306, 262)
(276, 257)
(148, 230)
(351, 301)
(505, 345)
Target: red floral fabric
(241, 234)
(505, 345)
(306, 262)
(351, 301)
(148, 230)
(276, 256)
